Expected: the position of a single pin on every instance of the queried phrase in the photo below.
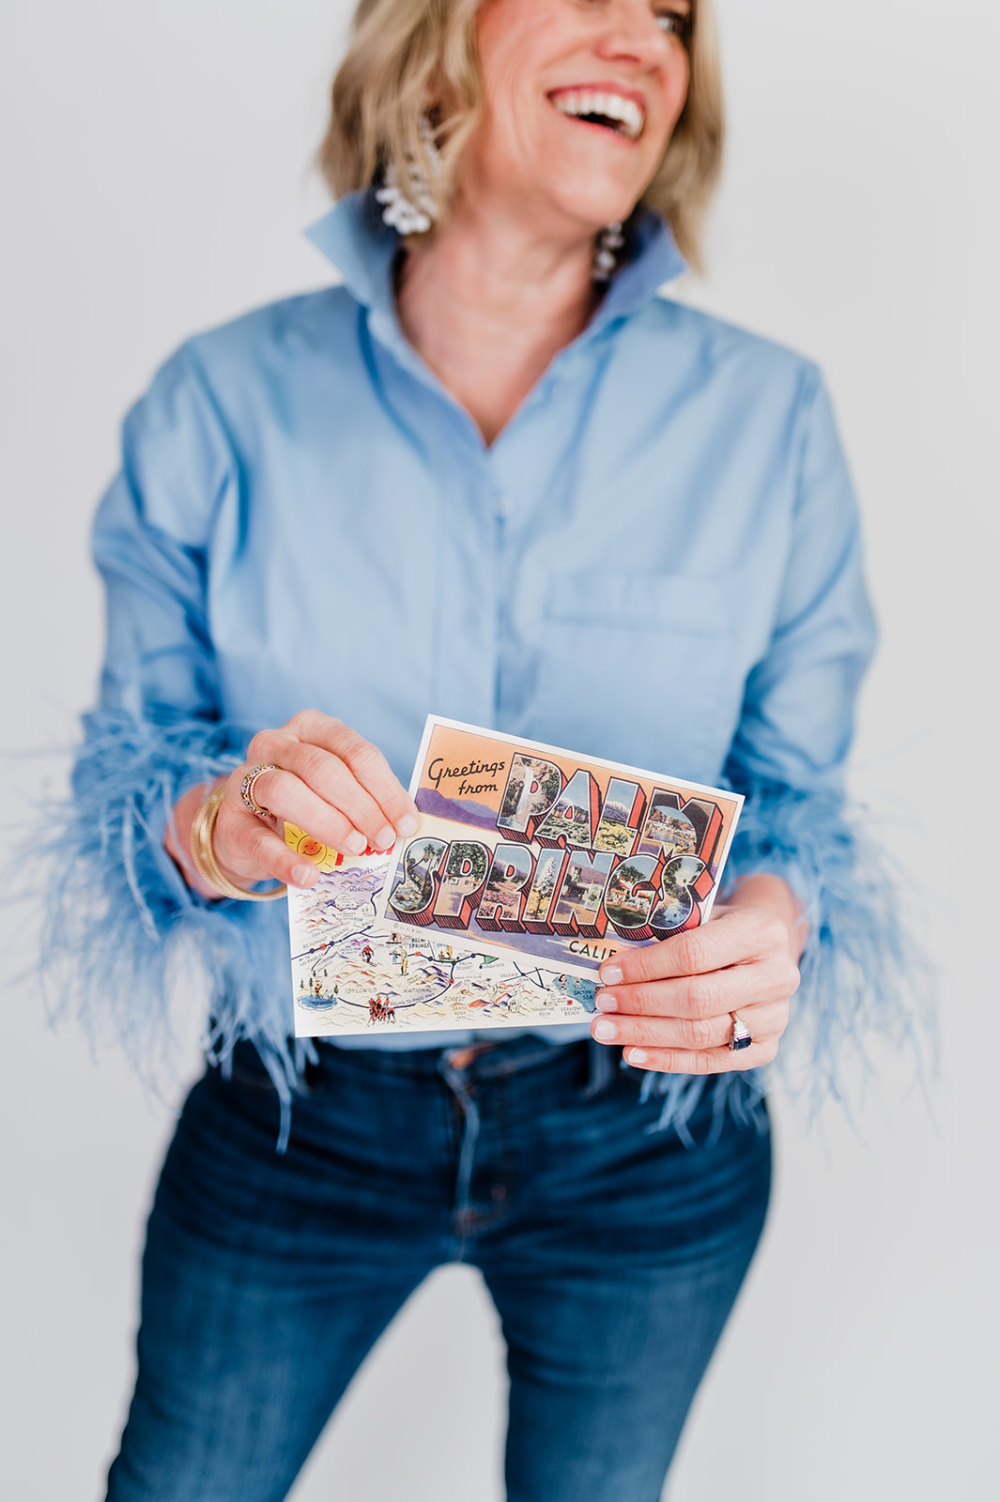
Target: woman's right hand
(328, 780)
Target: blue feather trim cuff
(864, 975)
(123, 932)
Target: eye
(674, 23)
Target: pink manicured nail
(386, 838)
(407, 826)
(611, 975)
(356, 843)
(605, 1031)
(305, 876)
(606, 1001)
(636, 1056)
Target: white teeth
(612, 106)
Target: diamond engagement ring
(247, 787)
(742, 1037)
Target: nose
(629, 32)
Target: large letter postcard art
(531, 867)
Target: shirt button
(505, 508)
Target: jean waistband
(485, 1060)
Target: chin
(597, 194)
(595, 209)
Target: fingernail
(407, 826)
(386, 838)
(356, 843)
(611, 975)
(605, 1031)
(305, 876)
(636, 1056)
(606, 1001)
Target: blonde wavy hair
(413, 61)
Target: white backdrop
(155, 178)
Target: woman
(492, 476)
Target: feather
(123, 934)
(864, 975)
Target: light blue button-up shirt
(657, 561)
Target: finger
(341, 815)
(711, 1061)
(248, 850)
(702, 1061)
(287, 798)
(735, 938)
(708, 995)
(326, 788)
(765, 1020)
(341, 771)
(333, 782)
(366, 763)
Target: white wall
(154, 181)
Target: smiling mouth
(623, 117)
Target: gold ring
(205, 861)
(247, 787)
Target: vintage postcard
(531, 850)
(531, 867)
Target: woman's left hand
(670, 1004)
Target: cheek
(676, 91)
(672, 101)
(501, 142)
(517, 40)
(508, 36)
(510, 122)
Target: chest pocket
(633, 668)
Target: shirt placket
(486, 498)
(468, 599)
(463, 592)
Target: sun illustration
(303, 844)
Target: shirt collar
(363, 249)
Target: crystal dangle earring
(606, 247)
(405, 215)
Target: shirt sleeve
(159, 700)
(798, 712)
(151, 546)
(860, 971)
(120, 918)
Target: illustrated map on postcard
(350, 977)
(532, 866)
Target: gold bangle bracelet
(203, 856)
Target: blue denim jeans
(613, 1254)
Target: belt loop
(602, 1066)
